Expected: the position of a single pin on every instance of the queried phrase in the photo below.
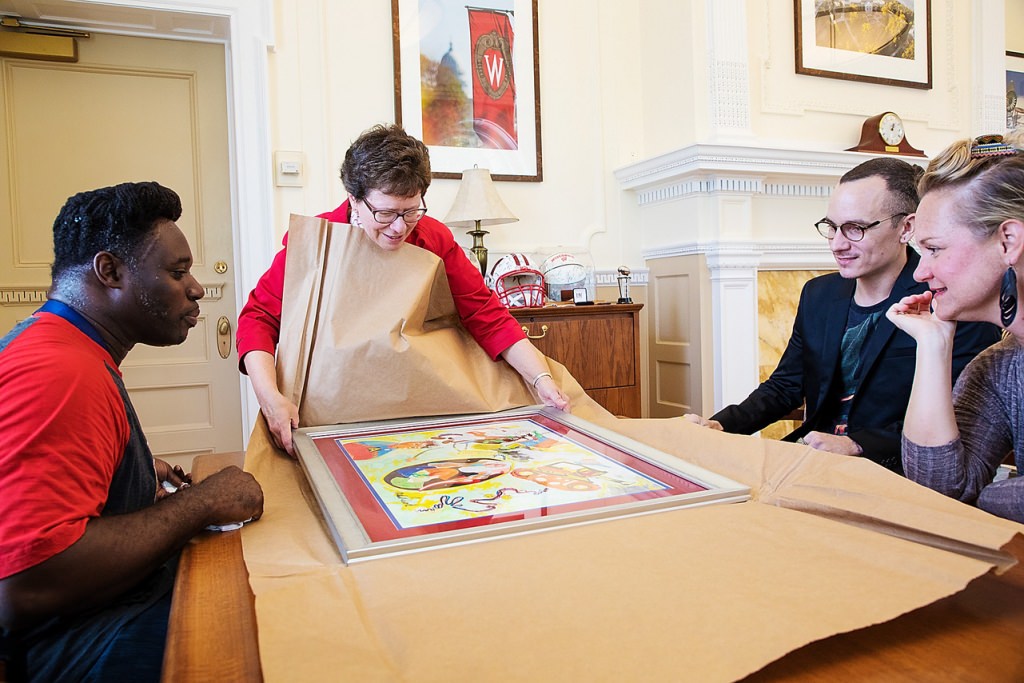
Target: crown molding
(738, 168)
(802, 255)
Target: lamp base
(479, 250)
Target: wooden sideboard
(598, 344)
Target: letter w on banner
(494, 87)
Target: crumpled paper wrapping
(827, 544)
(367, 332)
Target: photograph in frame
(398, 486)
(1014, 90)
(467, 84)
(873, 41)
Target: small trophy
(623, 278)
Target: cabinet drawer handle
(543, 332)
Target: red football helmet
(516, 282)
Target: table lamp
(477, 204)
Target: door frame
(246, 29)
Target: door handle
(224, 337)
(543, 332)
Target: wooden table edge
(203, 597)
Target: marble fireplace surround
(748, 209)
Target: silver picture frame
(359, 508)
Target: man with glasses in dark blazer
(845, 362)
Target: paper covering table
(827, 543)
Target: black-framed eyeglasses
(388, 216)
(851, 231)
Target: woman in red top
(386, 173)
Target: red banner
(494, 88)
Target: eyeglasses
(851, 231)
(387, 216)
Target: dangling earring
(1008, 297)
(353, 212)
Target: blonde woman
(969, 227)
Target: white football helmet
(561, 272)
(516, 282)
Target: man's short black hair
(900, 179)
(115, 219)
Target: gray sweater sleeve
(989, 402)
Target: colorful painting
(412, 483)
(466, 81)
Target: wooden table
(975, 635)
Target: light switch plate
(289, 169)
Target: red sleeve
(60, 442)
(259, 323)
(486, 319)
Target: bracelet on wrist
(539, 378)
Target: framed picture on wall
(404, 485)
(1014, 90)
(865, 40)
(467, 83)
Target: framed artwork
(874, 41)
(467, 83)
(402, 485)
(1014, 90)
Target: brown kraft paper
(827, 543)
(704, 594)
(367, 333)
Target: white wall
(678, 48)
(791, 111)
(620, 81)
(751, 158)
(827, 113)
(331, 77)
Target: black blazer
(809, 369)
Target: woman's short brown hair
(387, 159)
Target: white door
(130, 109)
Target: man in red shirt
(88, 538)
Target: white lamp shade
(478, 200)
